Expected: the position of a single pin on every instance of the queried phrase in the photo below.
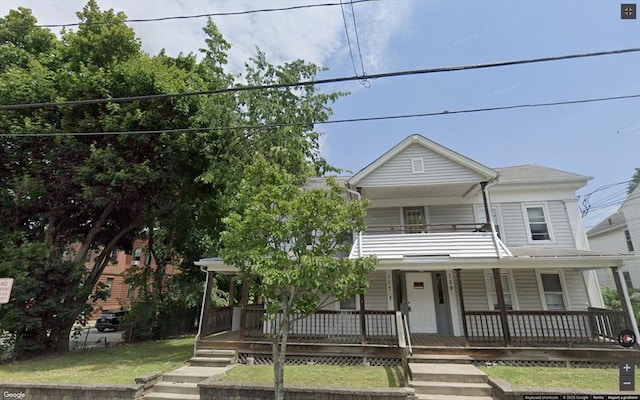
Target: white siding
(459, 214)
(527, 289)
(438, 169)
(515, 230)
(513, 227)
(383, 217)
(562, 234)
(576, 290)
(375, 297)
(612, 241)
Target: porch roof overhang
(453, 189)
(216, 264)
(474, 250)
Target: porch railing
(218, 319)
(595, 326)
(325, 326)
(423, 228)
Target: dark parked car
(110, 320)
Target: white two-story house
(467, 252)
(620, 232)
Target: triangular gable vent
(417, 165)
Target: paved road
(92, 338)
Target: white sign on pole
(5, 289)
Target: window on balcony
(349, 303)
(538, 225)
(481, 217)
(414, 220)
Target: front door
(422, 315)
(441, 300)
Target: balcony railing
(325, 326)
(425, 228)
(595, 326)
(218, 320)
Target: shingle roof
(536, 173)
(612, 221)
(321, 182)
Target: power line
(316, 82)
(346, 31)
(337, 121)
(219, 14)
(355, 29)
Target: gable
(421, 162)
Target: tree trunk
(278, 354)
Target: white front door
(422, 312)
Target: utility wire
(337, 121)
(346, 31)
(355, 28)
(316, 82)
(219, 14)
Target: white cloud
(313, 34)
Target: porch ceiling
(420, 191)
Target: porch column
(363, 320)
(206, 307)
(623, 294)
(487, 212)
(232, 290)
(243, 306)
(497, 281)
(462, 310)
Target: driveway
(90, 338)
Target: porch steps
(446, 377)
(182, 383)
(213, 358)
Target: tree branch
(93, 232)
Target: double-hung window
(537, 223)
(552, 291)
(348, 303)
(627, 237)
(507, 290)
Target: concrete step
(441, 358)
(215, 353)
(191, 374)
(450, 397)
(447, 373)
(452, 388)
(176, 387)
(171, 396)
(209, 361)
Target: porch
(591, 329)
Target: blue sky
(601, 140)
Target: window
(506, 290)
(147, 258)
(538, 225)
(627, 279)
(414, 219)
(114, 256)
(137, 254)
(553, 294)
(627, 237)
(349, 303)
(108, 285)
(131, 292)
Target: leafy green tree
(612, 301)
(287, 237)
(635, 181)
(97, 190)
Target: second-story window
(627, 237)
(481, 217)
(414, 219)
(537, 223)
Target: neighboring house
(620, 232)
(116, 271)
(474, 254)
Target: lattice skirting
(546, 363)
(265, 359)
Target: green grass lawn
(118, 365)
(320, 375)
(561, 378)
